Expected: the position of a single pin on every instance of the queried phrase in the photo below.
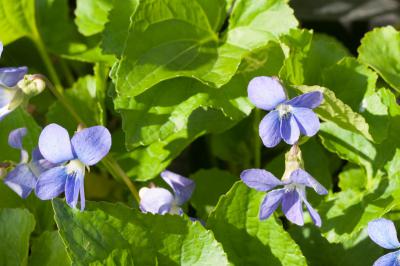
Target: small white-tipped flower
(32, 85)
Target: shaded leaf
(309, 54)
(16, 226)
(86, 99)
(117, 28)
(48, 250)
(358, 251)
(42, 210)
(210, 185)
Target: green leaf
(16, 226)
(355, 148)
(40, 21)
(309, 54)
(86, 99)
(53, 16)
(359, 251)
(48, 250)
(169, 116)
(166, 125)
(354, 83)
(167, 108)
(210, 185)
(376, 112)
(18, 20)
(235, 145)
(346, 213)
(352, 177)
(91, 15)
(246, 239)
(350, 80)
(382, 41)
(42, 210)
(116, 30)
(17, 119)
(119, 257)
(95, 234)
(181, 39)
(334, 110)
(147, 162)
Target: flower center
(175, 209)
(294, 186)
(284, 110)
(75, 166)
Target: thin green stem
(67, 72)
(257, 140)
(110, 164)
(63, 101)
(49, 65)
(101, 74)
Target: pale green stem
(49, 65)
(257, 140)
(101, 74)
(67, 73)
(63, 101)
(113, 167)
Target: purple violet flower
(288, 118)
(383, 233)
(22, 179)
(86, 148)
(158, 200)
(11, 96)
(291, 196)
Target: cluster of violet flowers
(286, 120)
(59, 163)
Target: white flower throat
(284, 110)
(75, 166)
(294, 186)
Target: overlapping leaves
(182, 73)
(235, 222)
(108, 232)
(179, 38)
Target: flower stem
(109, 162)
(63, 101)
(67, 73)
(257, 140)
(112, 166)
(49, 65)
(101, 73)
